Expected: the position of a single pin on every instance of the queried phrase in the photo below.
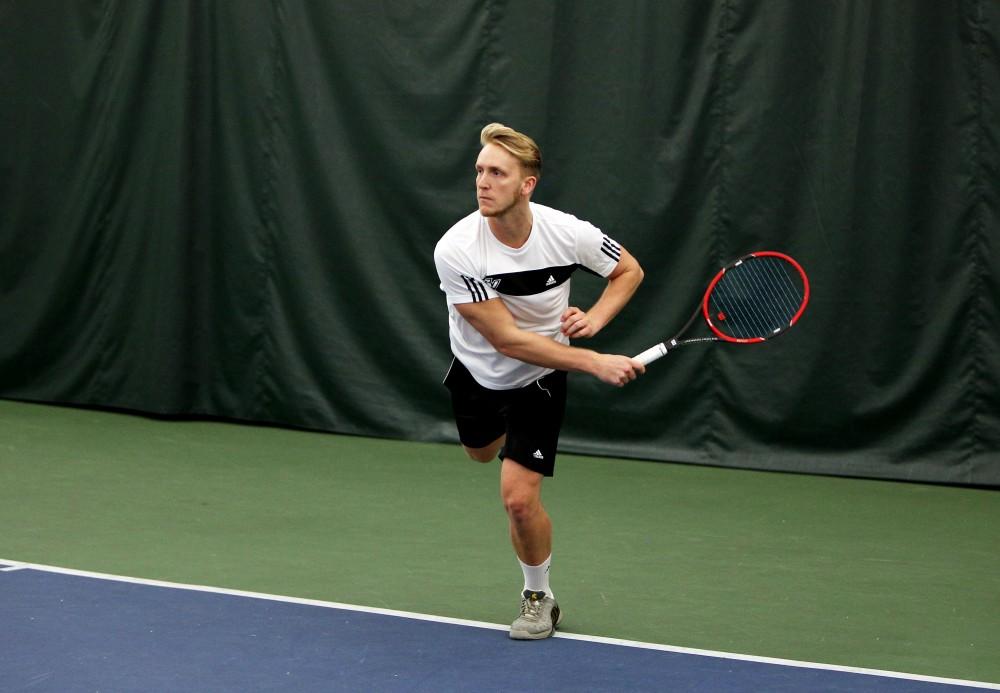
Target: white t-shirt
(533, 281)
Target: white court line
(19, 565)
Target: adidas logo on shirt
(538, 455)
(551, 281)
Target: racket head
(756, 297)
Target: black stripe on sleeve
(611, 249)
(475, 288)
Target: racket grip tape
(651, 354)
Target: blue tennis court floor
(67, 630)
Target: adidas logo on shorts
(538, 455)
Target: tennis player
(505, 270)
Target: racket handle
(651, 354)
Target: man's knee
(487, 453)
(520, 506)
(481, 454)
(521, 497)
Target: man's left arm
(622, 283)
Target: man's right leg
(478, 416)
(487, 453)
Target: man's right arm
(494, 321)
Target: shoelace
(531, 608)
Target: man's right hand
(617, 370)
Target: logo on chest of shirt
(530, 282)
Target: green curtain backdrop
(229, 209)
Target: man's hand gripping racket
(752, 299)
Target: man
(505, 270)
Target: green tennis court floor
(884, 575)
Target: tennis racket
(752, 299)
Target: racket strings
(767, 291)
(756, 298)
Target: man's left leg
(530, 526)
(534, 419)
(531, 536)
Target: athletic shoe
(539, 617)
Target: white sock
(536, 577)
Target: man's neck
(513, 227)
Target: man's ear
(528, 185)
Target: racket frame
(663, 348)
(733, 265)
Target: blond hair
(522, 147)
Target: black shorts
(531, 416)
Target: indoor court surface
(77, 631)
(163, 555)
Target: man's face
(500, 181)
